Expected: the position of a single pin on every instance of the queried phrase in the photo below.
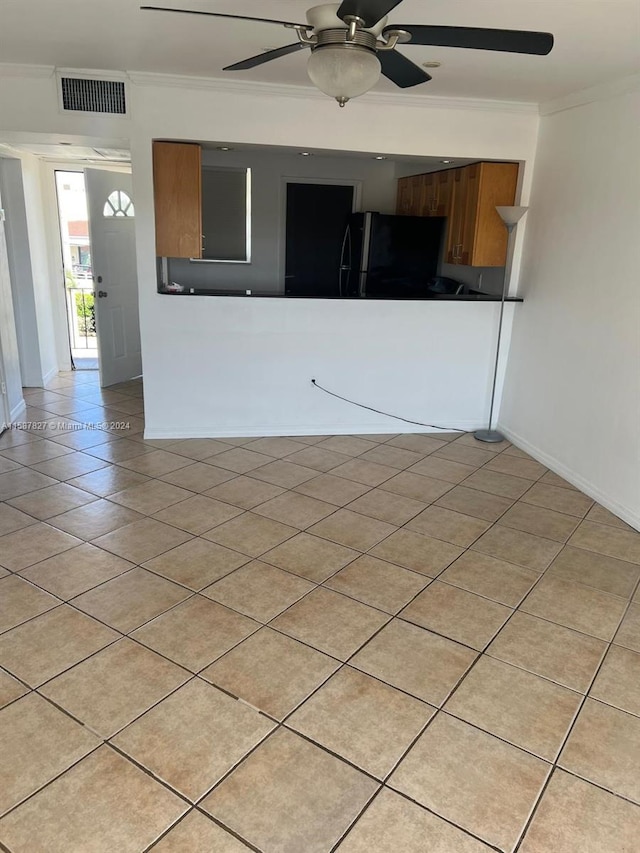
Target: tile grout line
(569, 732)
(345, 663)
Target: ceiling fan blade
(371, 11)
(509, 41)
(401, 70)
(220, 15)
(261, 58)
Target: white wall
(19, 261)
(33, 287)
(572, 394)
(42, 284)
(202, 378)
(268, 173)
(179, 337)
(246, 366)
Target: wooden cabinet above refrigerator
(468, 197)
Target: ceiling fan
(351, 45)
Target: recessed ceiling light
(379, 157)
(431, 64)
(306, 154)
(446, 161)
(223, 148)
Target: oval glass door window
(118, 204)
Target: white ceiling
(596, 41)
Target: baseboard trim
(49, 375)
(562, 470)
(177, 433)
(17, 411)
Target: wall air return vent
(93, 95)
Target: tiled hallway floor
(375, 644)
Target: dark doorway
(316, 220)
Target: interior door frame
(5, 414)
(7, 327)
(56, 261)
(284, 182)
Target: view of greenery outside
(85, 311)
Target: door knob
(102, 294)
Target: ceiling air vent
(93, 95)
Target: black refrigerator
(392, 257)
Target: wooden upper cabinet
(411, 196)
(437, 193)
(457, 214)
(444, 192)
(177, 186)
(468, 197)
(429, 199)
(405, 191)
(486, 241)
(467, 253)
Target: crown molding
(604, 92)
(96, 73)
(13, 69)
(245, 87)
(253, 88)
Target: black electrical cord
(386, 414)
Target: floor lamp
(510, 216)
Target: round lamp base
(492, 436)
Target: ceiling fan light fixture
(346, 37)
(344, 73)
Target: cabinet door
(497, 186)
(403, 207)
(417, 194)
(468, 232)
(444, 192)
(455, 232)
(177, 186)
(429, 195)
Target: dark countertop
(463, 297)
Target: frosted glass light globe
(343, 73)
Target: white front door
(115, 280)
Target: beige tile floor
(371, 644)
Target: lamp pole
(510, 216)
